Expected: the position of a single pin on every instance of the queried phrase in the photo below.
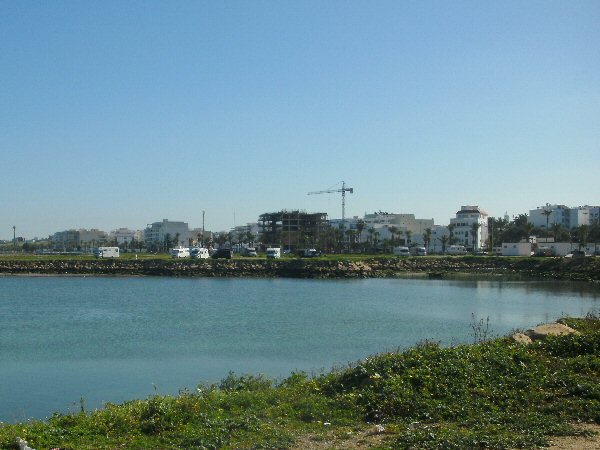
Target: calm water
(114, 339)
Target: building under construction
(293, 229)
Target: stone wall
(584, 269)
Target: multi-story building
(465, 231)
(65, 240)
(161, 233)
(293, 229)
(550, 214)
(402, 221)
(92, 238)
(122, 236)
(198, 236)
(567, 217)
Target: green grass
(495, 394)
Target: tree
(451, 228)
(444, 240)
(547, 212)
(427, 238)
(167, 242)
(221, 239)
(581, 233)
(528, 228)
(408, 234)
(475, 232)
(360, 226)
(250, 237)
(371, 232)
(557, 231)
(376, 235)
(393, 230)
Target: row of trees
(520, 228)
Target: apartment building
(463, 227)
(566, 216)
(157, 233)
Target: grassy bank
(494, 394)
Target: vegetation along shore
(340, 266)
(500, 393)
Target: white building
(158, 232)
(567, 217)
(122, 236)
(516, 249)
(437, 239)
(92, 237)
(463, 225)
(381, 222)
(550, 214)
(402, 221)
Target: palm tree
(250, 237)
(408, 234)
(427, 238)
(474, 232)
(371, 232)
(360, 226)
(528, 230)
(444, 240)
(547, 213)
(393, 230)
(557, 229)
(376, 238)
(167, 241)
(582, 232)
(451, 228)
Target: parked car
(401, 251)
(578, 254)
(248, 251)
(222, 253)
(199, 253)
(544, 251)
(273, 252)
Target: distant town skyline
(119, 114)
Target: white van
(274, 252)
(106, 252)
(248, 251)
(401, 251)
(199, 253)
(457, 250)
(180, 252)
(418, 251)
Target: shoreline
(467, 267)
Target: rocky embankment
(584, 269)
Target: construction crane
(343, 190)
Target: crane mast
(343, 190)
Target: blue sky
(118, 114)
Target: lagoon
(111, 339)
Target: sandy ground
(370, 438)
(578, 442)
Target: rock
(549, 329)
(522, 338)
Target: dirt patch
(342, 440)
(579, 442)
(371, 437)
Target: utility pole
(14, 239)
(202, 228)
